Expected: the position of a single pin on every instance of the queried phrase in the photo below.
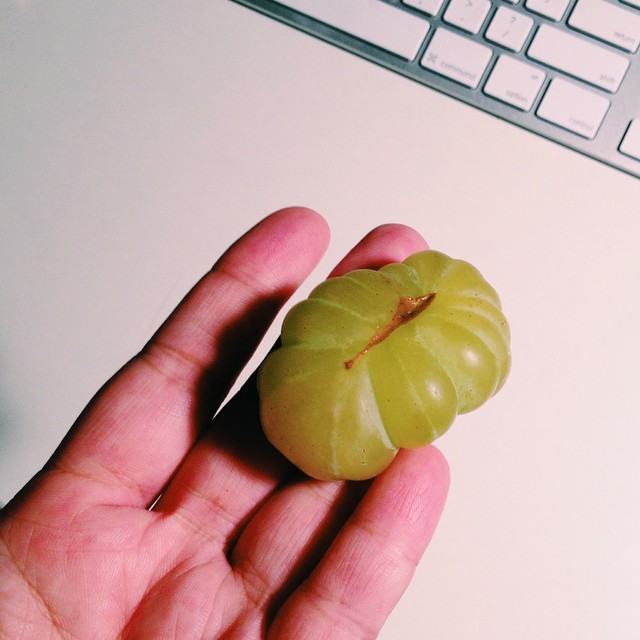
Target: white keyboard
(568, 70)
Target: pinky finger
(353, 590)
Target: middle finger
(232, 471)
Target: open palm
(239, 544)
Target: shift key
(579, 58)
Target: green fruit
(374, 361)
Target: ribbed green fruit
(374, 361)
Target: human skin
(240, 544)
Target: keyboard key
(574, 108)
(630, 144)
(578, 57)
(468, 15)
(606, 21)
(376, 22)
(552, 9)
(456, 57)
(514, 82)
(509, 28)
(430, 7)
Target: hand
(239, 544)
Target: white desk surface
(138, 140)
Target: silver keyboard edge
(604, 148)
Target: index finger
(133, 435)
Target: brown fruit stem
(408, 309)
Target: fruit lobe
(374, 361)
